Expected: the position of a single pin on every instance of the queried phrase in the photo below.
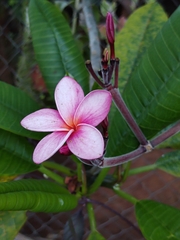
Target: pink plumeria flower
(73, 123)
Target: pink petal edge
(50, 145)
(44, 120)
(68, 95)
(94, 108)
(86, 142)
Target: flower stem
(52, 175)
(59, 168)
(91, 216)
(124, 195)
(82, 178)
(93, 74)
(128, 116)
(97, 183)
(163, 136)
(80, 175)
(114, 161)
(142, 169)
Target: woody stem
(128, 116)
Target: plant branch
(116, 73)
(128, 116)
(163, 136)
(59, 168)
(93, 74)
(52, 175)
(124, 195)
(80, 174)
(91, 216)
(114, 161)
(142, 169)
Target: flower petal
(44, 120)
(50, 145)
(86, 142)
(68, 95)
(94, 108)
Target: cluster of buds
(110, 69)
(109, 63)
(110, 34)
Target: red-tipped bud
(64, 150)
(110, 28)
(110, 34)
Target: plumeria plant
(125, 114)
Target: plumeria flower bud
(64, 150)
(110, 28)
(73, 123)
(110, 33)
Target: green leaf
(74, 227)
(95, 235)
(56, 51)
(14, 106)
(152, 92)
(37, 201)
(32, 185)
(136, 36)
(15, 155)
(35, 196)
(170, 163)
(158, 221)
(11, 223)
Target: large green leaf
(32, 185)
(158, 221)
(170, 163)
(55, 49)
(37, 201)
(152, 93)
(36, 196)
(15, 155)
(11, 223)
(14, 106)
(137, 35)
